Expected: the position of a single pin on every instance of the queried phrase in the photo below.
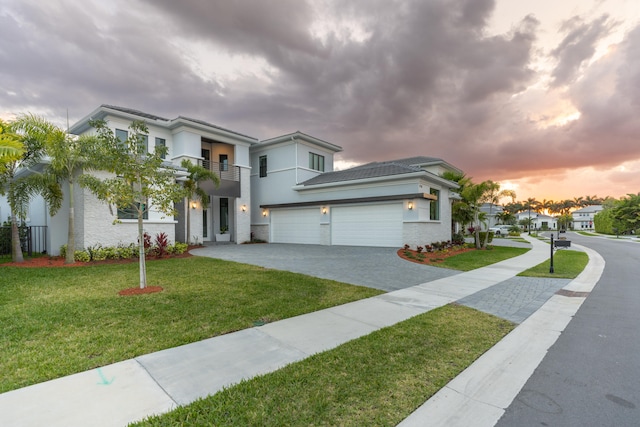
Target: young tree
(197, 174)
(139, 177)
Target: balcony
(229, 179)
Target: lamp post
(551, 264)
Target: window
(224, 162)
(316, 162)
(122, 136)
(131, 212)
(144, 144)
(160, 142)
(434, 205)
(263, 166)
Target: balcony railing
(229, 179)
(224, 171)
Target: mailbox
(562, 243)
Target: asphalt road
(591, 375)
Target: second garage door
(367, 225)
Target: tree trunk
(188, 215)
(16, 248)
(71, 237)
(143, 266)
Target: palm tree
(197, 174)
(67, 157)
(546, 205)
(472, 197)
(579, 202)
(10, 145)
(492, 195)
(531, 204)
(20, 190)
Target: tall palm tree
(67, 158)
(531, 204)
(546, 205)
(197, 174)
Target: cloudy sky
(542, 96)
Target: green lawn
(567, 264)
(58, 321)
(376, 380)
(480, 258)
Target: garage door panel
(295, 226)
(370, 225)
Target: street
(591, 375)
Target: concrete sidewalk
(155, 383)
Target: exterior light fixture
(244, 208)
(410, 206)
(324, 210)
(193, 205)
(264, 212)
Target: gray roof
(134, 112)
(374, 170)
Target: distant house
(281, 190)
(538, 221)
(492, 212)
(583, 218)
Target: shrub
(127, 252)
(457, 239)
(63, 251)
(179, 248)
(81, 256)
(161, 244)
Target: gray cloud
(578, 46)
(425, 79)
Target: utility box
(562, 243)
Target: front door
(224, 214)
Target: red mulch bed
(429, 258)
(56, 261)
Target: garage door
(295, 226)
(368, 225)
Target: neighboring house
(583, 218)
(538, 221)
(281, 190)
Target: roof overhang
(351, 200)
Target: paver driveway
(379, 268)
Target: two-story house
(281, 190)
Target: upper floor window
(316, 162)
(122, 136)
(434, 205)
(263, 166)
(224, 162)
(160, 142)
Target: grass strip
(480, 258)
(59, 321)
(376, 380)
(567, 264)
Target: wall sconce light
(194, 205)
(410, 206)
(324, 210)
(244, 208)
(264, 212)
